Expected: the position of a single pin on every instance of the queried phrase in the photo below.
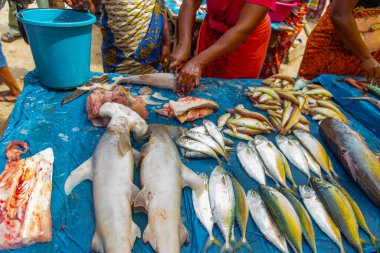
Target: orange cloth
(326, 54)
(244, 62)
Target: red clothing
(223, 14)
(247, 60)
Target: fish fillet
(25, 195)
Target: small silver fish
(222, 203)
(213, 131)
(208, 140)
(251, 162)
(196, 146)
(203, 212)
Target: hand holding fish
(189, 76)
(372, 67)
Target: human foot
(7, 96)
(8, 37)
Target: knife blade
(78, 92)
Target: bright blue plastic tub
(60, 41)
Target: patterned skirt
(326, 54)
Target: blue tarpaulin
(361, 110)
(39, 119)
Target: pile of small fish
(243, 123)
(222, 202)
(261, 157)
(285, 100)
(205, 141)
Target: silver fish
(213, 131)
(251, 162)
(316, 150)
(189, 154)
(320, 215)
(222, 202)
(208, 140)
(265, 222)
(203, 211)
(293, 153)
(196, 146)
(313, 165)
(271, 158)
(241, 213)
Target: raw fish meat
(25, 195)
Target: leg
(43, 3)
(7, 77)
(12, 21)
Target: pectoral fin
(189, 178)
(135, 233)
(124, 144)
(135, 192)
(81, 173)
(96, 244)
(141, 200)
(183, 234)
(150, 237)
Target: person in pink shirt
(232, 42)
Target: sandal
(5, 97)
(8, 37)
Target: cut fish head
(131, 119)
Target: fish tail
(293, 190)
(227, 247)
(374, 241)
(210, 241)
(341, 248)
(243, 242)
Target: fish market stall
(364, 111)
(40, 120)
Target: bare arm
(346, 28)
(250, 17)
(186, 21)
(166, 43)
(83, 5)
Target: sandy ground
(20, 59)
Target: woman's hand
(372, 67)
(165, 56)
(189, 77)
(178, 58)
(82, 5)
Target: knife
(79, 92)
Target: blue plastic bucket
(60, 41)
